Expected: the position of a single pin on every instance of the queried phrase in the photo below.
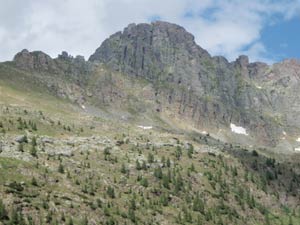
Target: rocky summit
(151, 129)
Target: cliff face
(151, 50)
(38, 61)
(180, 80)
(205, 90)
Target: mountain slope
(168, 76)
(205, 91)
(150, 130)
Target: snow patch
(297, 149)
(145, 127)
(82, 106)
(204, 132)
(238, 130)
(258, 87)
(298, 140)
(284, 135)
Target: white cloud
(223, 27)
(236, 25)
(257, 51)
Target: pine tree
(190, 151)
(144, 182)
(164, 199)
(61, 168)
(131, 215)
(150, 158)
(33, 151)
(70, 221)
(187, 215)
(110, 192)
(144, 165)
(34, 181)
(33, 141)
(106, 153)
(166, 181)
(163, 160)
(178, 183)
(138, 165)
(178, 153)
(199, 220)
(123, 169)
(49, 217)
(267, 219)
(246, 175)
(168, 163)
(3, 212)
(234, 171)
(21, 147)
(133, 204)
(290, 220)
(14, 218)
(198, 204)
(158, 173)
(84, 221)
(34, 127)
(192, 168)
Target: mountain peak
(149, 49)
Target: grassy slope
(230, 190)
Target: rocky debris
(10, 150)
(89, 94)
(63, 151)
(53, 146)
(47, 140)
(21, 139)
(67, 147)
(187, 145)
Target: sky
(265, 30)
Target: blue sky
(265, 30)
(282, 40)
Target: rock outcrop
(209, 91)
(34, 60)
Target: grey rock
(21, 139)
(208, 91)
(64, 56)
(47, 140)
(36, 60)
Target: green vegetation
(67, 167)
(231, 187)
